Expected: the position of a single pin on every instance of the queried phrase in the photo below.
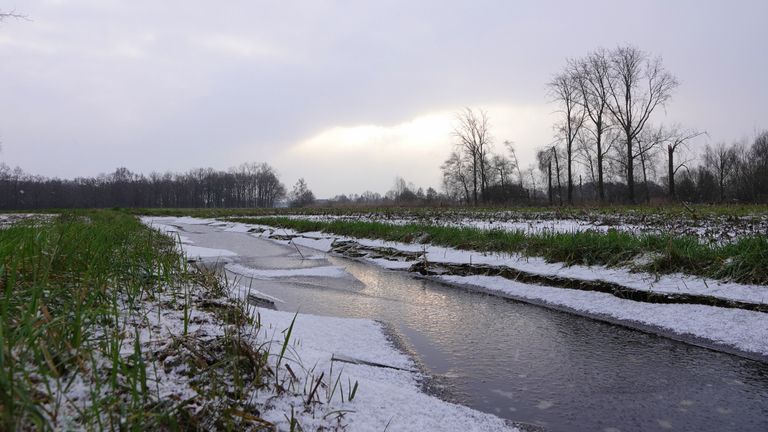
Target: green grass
(77, 290)
(62, 283)
(744, 261)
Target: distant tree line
(606, 148)
(248, 185)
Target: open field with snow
(708, 223)
(113, 323)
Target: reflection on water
(531, 364)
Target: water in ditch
(524, 362)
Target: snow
(320, 271)
(192, 251)
(671, 283)
(314, 241)
(385, 396)
(390, 396)
(741, 329)
(386, 399)
(710, 228)
(166, 226)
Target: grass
(64, 284)
(666, 211)
(745, 260)
(84, 346)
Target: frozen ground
(734, 329)
(8, 219)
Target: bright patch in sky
(353, 159)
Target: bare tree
(637, 85)
(721, 161)
(544, 157)
(554, 154)
(515, 161)
(677, 140)
(591, 76)
(301, 195)
(585, 154)
(502, 167)
(647, 145)
(472, 133)
(564, 89)
(11, 15)
(456, 181)
(531, 171)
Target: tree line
(606, 147)
(248, 185)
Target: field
(718, 242)
(105, 326)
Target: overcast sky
(347, 94)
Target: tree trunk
(570, 174)
(474, 178)
(645, 179)
(559, 185)
(600, 189)
(549, 171)
(630, 167)
(671, 171)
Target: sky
(347, 94)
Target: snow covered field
(708, 228)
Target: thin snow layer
(321, 271)
(192, 251)
(385, 396)
(741, 329)
(528, 226)
(243, 291)
(673, 283)
(184, 244)
(713, 229)
(315, 240)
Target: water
(524, 362)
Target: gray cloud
(90, 85)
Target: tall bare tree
(637, 85)
(564, 89)
(591, 76)
(472, 133)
